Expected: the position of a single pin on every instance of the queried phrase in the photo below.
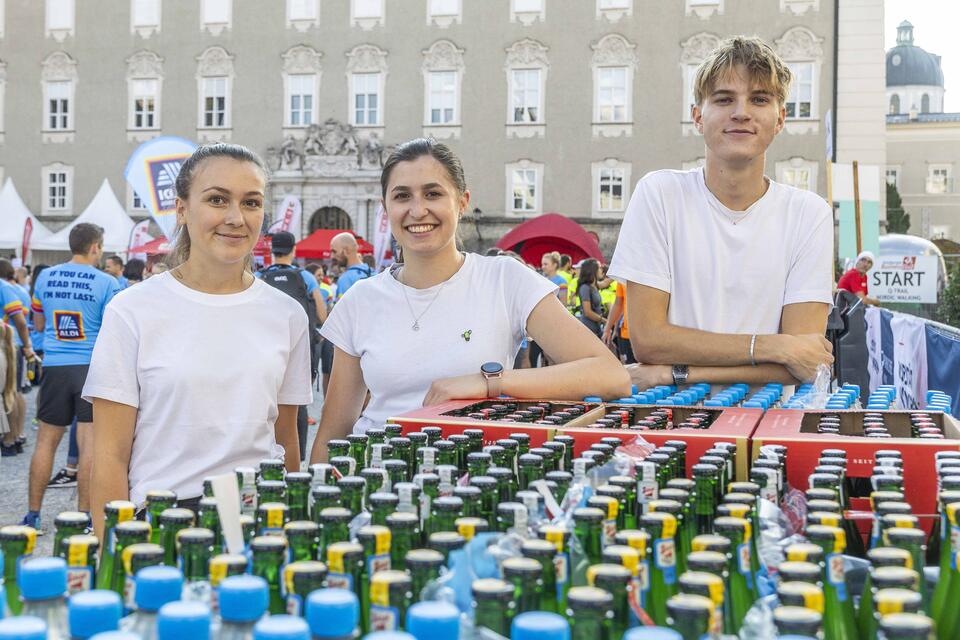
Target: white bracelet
(753, 343)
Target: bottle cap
(180, 620)
(429, 620)
(281, 627)
(389, 635)
(23, 628)
(332, 613)
(243, 598)
(651, 633)
(539, 625)
(42, 578)
(116, 635)
(156, 586)
(93, 612)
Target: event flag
(139, 236)
(287, 217)
(381, 237)
(27, 232)
(152, 173)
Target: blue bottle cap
(705, 386)
(183, 620)
(633, 389)
(92, 612)
(671, 388)
(753, 404)
(652, 633)
(281, 627)
(593, 399)
(539, 625)
(664, 402)
(117, 635)
(714, 403)
(156, 586)
(388, 635)
(433, 620)
(23, 628)
(242, 598)
(332, 613)
(43, 578)
(628, 400)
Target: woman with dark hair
(591, 307)
(444, 324)
(133, 270)
(200, 369)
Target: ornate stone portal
(333, 165)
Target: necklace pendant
(416, 326)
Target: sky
(935, 30)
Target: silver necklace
(416, 318)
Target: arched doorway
(330, 218)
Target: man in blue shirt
(15, 303)
(115, 268)
(68, 304)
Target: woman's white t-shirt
(479, 315)
(206, 373)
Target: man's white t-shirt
(206, 373)
(726, 271)
(479, 315)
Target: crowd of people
(723, 274)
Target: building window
(693, 52)
(798, 172)
(443, 97)
(144, 103)
(60, 19)
(612, 94)
(137, 204)
(216, 15)
(214, 103)
(366, 98)
(689, 95)
(57, 188)
(800, 101)
(925, 103)
(611, 179)
(893, 177)
(527, 68)
(302, 10)
(58, 105)
(614, 60)
(894, 104)
(938, 178)
(214, 90)
(367, 14)
(300, 100)
(524, 188)
(525, 94)
(703, 9)
(145, 16)
(59, 77)
(527, 12)
(442, 8)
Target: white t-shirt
(206, 373)
(479, 315)
(725, 277)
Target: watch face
(491, 368)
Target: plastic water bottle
(539, 625)
(243, 601)
(93, 612)
(116, 635)
(652, 633)
(23, 628)
(282, 627)
(183, 620)
(333, 614)
(389, 635)
(43, 587)
(156, 586)
(433, 620)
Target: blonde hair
(9, 385)
(762, 63)
(554, 257)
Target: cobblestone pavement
(14, 473)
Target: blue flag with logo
(152, 173)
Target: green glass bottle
(675, 509)
(343, 466)
(300, 579)
(427, 457)
(271, 491)
(338, 447)
(559, 537)
(444, 513)
(136, 557)
(324, 496)
(447, 453)
(691, 616)
(358, 449)
(619, 494)
(748, 513)
(472, 499)
(80, 552)
(222, 567)
(701, 583)
(469, 527)
(352, 489)
(334, 527)
(345, 565)
(628, 501)
(512, 515)
(209, 518)
(523, 443)
(661, 527)
(797, 622)
(801, 594)
(493, 605)
(391, 594)
(942, 554)
(381, 506)
(126, 533)
(405, 533)
(913, 541)
(891, 601)
(616, 580)
(114, 512)
(506, 483)
(194, 550)
(589, 613)
(563, 479)
(298, 494)
(433, 434)
(397, 471)
(158, 500)
(906, 626)
(403, 450)
(488, 497)
(272, 470)
(271, 517)
(303, 540)
(172, 521)
(446, 542)
(588, 529)
(409, 497)
(429, 484)
(375, 479)
(247, 485)
(510, 449)
(630, 552)
(17, 543)
(879, 557)
(705, 476)
(424, 566)
(69, 523)
(610, 507)
(248, 526)
(529, 469)
(477, 463)
(568, 442)
(543, 553)
(269, 553)
(838, 618)
(375, 541)
(741, 590)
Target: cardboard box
(797, 430)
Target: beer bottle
(271, 491)
(470, 527)
(512, 515)
(375, 479)
(506, 483)
(488, 497)
(523, 443)
(303, 540)
(429, 484)
(588, 612)
(269, 553)
(114, 512)
(559, 537)
(405, 533)
(475, 439)
(208, 518)
(345, 564)
(799, 571)
(912, 541)
(609, 507)
(221, 567)
(397, 471)
(300, 579)
(272, 470)
(558, 461)
(446, 542)
(675, 509)
(136, 557)
(705, 476)
(616, 580)
(408, 497)
(444, 513)
(352, 492)
(472, 498)
(639, 565)
(382, 504)
(126, 533)
(477, 463)
(700, 583)
(551, 458)
(741, 592)
(801, 594)
(661, 528)
(940, 537)
(562, 480)
(298, 494)
(375, 541)
(195, 548)
(529, 469)
(247, 485)
(588, 529)
(690, 615)
(508, 457)
(433, 434)
(424, 565)
(906, 626)
(271, 518)
(248, 526)
(375, 436)
(427, 459)
(69, 523)
(878, 557)
(446, 453)
(324, 496)
(887, 601)
(627, 495)
(543, 553)
(80, 552)
(568, 443)
(16, 544)
(619, 494)
(390, 596)
(493, 605)
(358, 449)
(403, 450)
(334, 527)
(797, 622)
(158, 500)
(392, 429)
(343, 466)
(338, 447)
(172, 521)
(838, 619)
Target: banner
(943, 363)
(152, 173)
(139, 236)
(381, 237)
(909, 360)
(871, 316)
(25, 247)
(904, 279)
(287, 217)
(869, 186)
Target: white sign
(287, 216)
(904, 279)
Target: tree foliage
(898, 220)
(948, 310)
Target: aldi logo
(161, 180)
(69, 326)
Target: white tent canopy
(13, 215)
(104, 210)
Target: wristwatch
(493, 373)
(680, 373)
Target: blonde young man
(728, 273)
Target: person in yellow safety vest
(608, 289)
(565, 272)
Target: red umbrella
(551, 232)
(157, 246)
